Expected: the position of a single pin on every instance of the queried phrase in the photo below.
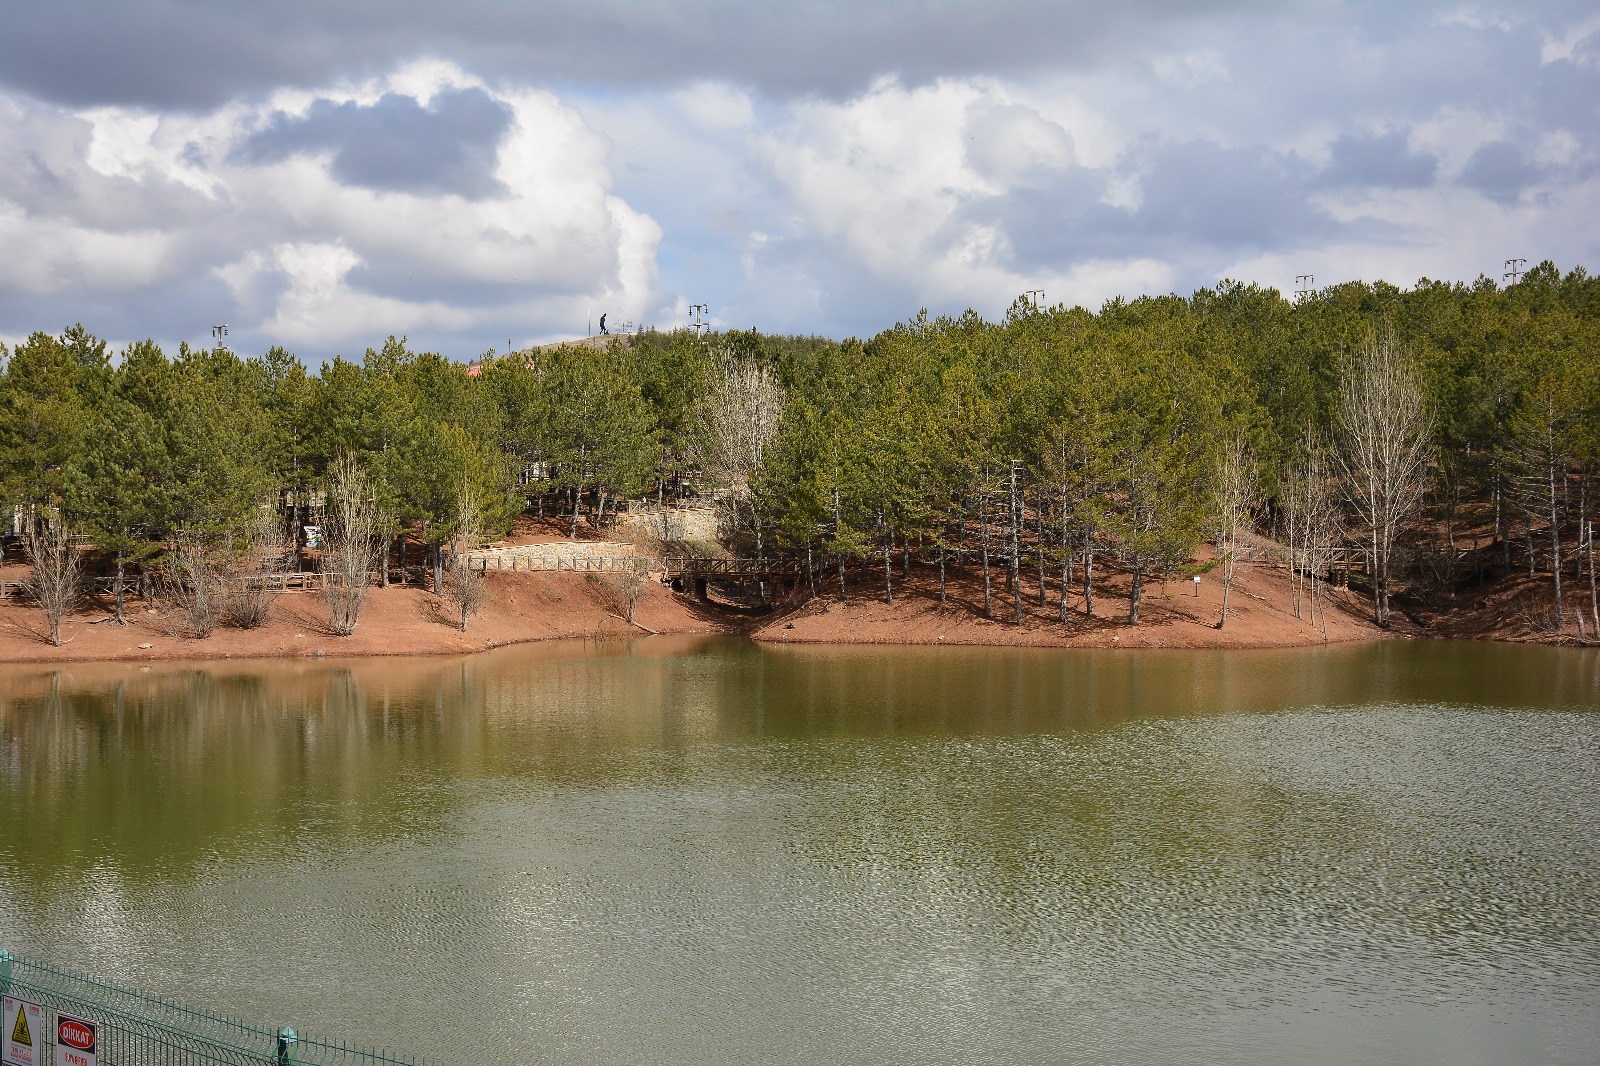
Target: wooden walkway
(748, 569)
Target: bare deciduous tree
(1384, 430)
(463, 586)
(1233, 504)
(636, 575)
(1312, 524)
(57, 561)
(736, 421)
(244, 563)
(624, 587)
(1541, 440)
(353, 538)
(190, 581)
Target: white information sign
(22, 1039)
(77, 1041)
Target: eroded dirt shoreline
(524, 607)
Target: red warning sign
(75, 1041)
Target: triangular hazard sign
(19, 1032)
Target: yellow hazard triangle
(19, 1032)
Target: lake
(706, 851)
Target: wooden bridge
(689, 572)
(733, 569)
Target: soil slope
(1260, 614)
(397, 621)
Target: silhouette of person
(603, 324)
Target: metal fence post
(286, 1043)
(5, 972)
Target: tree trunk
(1501, 533)
(888, 568)
(988, 592)
(1227, 585)
(1380, 590)
(1088, 575)
(1042, 600)
(1451, 495)
(1594, 597)
(838, 525)
(1555, 547)
(121, 621)
(1014, 571)
(941, 572)
(1136, 593)
(1291, 528)
(1066, 572)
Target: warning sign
(76, 1040)
(22, 1036)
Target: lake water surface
(690, 851)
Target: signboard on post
(23, 1037)
(77, 1041)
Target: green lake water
(709, 852)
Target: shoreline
(523, 608)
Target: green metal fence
(142, 1030)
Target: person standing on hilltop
(603, 330)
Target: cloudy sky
(321, 174)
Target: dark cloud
(396, 143)
(171, 310)
(1501, 171)
(1385, 160)
(1193, 198)
(196, 54)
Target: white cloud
(716, 105)
(887, 175)
(47, 255)
(318, 261)
(1453, 133)
(1564, 46)
(1186, 70)
(319, 301)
